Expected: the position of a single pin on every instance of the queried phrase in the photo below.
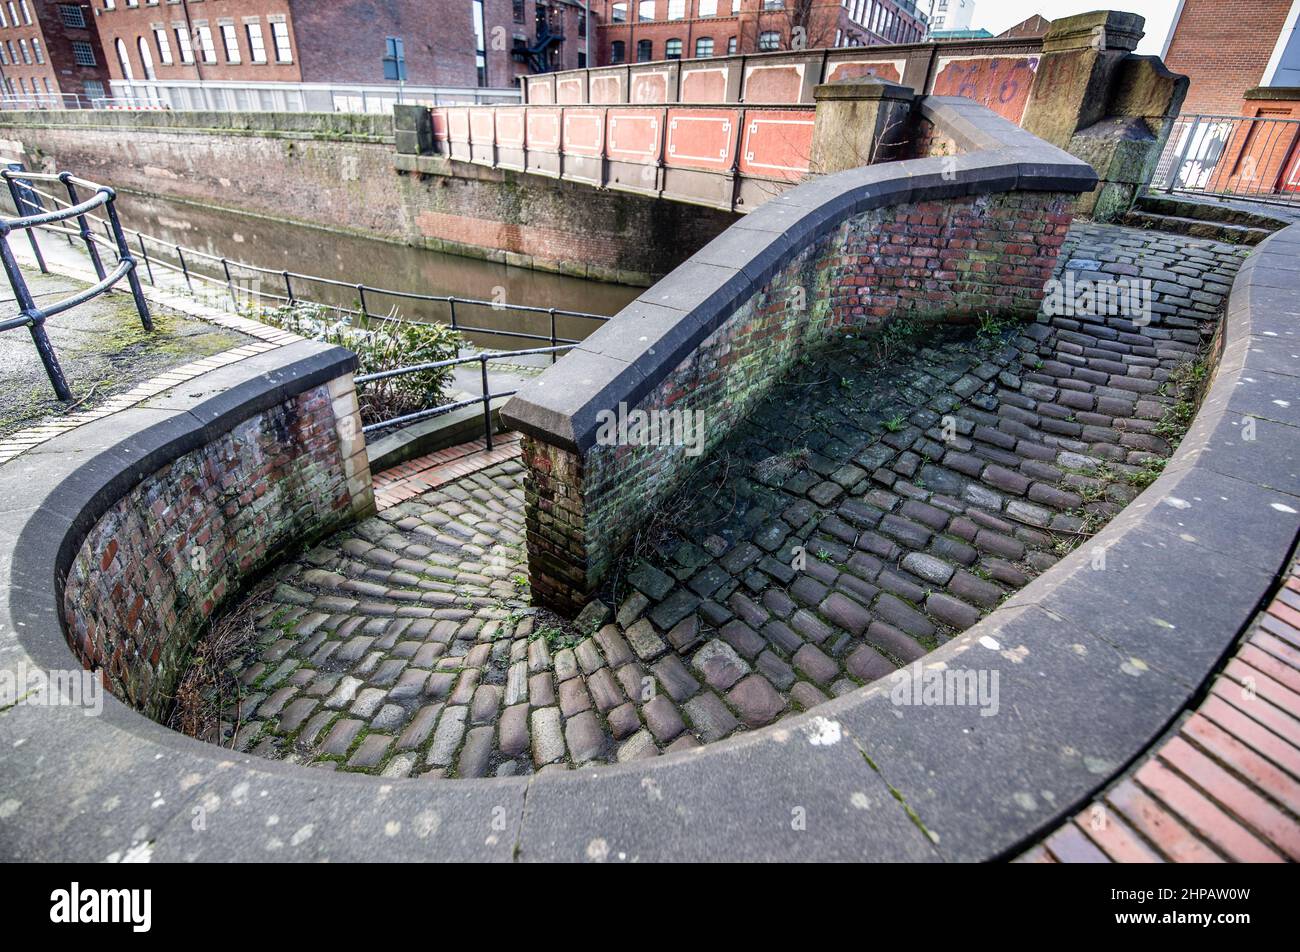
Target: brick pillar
(352, 445)
(860, 122)
(555, 515)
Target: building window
(769, 40)
(517, 10)
(37, 51)
(394, 58)
(230, 40)
(256, 44)
(773, 4)
(645, 10)
(207, 47)
(618, 13)
(735, 6)
(480, 43)
(582, 23)
(704, 47)
(280, 35)
(123, 60)
(708, 8)
(4, 55)
(13, 12)
(4, 20)
(71, 16)
(146, 60)
(27, 54)
(617, 52)
(672, 49)
(676, 9)
(164, 48)
(27, 15)
(183, 44)
(731, 45)
(93, 88)
(644, 51)
(110, 4)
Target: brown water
(284, 246)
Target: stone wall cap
(865, 87)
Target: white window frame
(279, 30)
(230, 42)
(163, 45)
(256, 42)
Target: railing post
(124, 256)
(451, 302)
(361, 298)
(230, 283)
(1182, 156)
(15, 192)
(487, 402)
(144, 254)
(83, 225)
(554, 341)
(185, 271)
(37, 322)
(288, 288)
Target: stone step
(1197, 228)
(1203, 210)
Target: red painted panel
(777, 143)
(584, 131)
(439, 116)
(704, 85)
(510, 126)
(543, 124)
(539, 92)
(634, 135)
(650, 87)
(702, 138)
(607, 88)
(458, 123)
(999, 82)
(856, 69)
(774, 84)
(482, 129)
(568, 90)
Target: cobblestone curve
(867, 512)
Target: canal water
(282, 246)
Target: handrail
(185, 256)
(32, 317)
(485, 398)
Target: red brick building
(1229, 48)
(50, 51)
(460, 43)
(644, 30)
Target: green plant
(896, 423)
(380, 343)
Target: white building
(951, 14)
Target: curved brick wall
(155, 566)
(944, 238)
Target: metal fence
(25, 198)
(1232, 156)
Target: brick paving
(419, 475)
(867, 511)
(1225, 786)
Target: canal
(284, 246)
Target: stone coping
(1094, 666)
(631, 354)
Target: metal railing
(282, 287)
(1233, 157)
(485, 397)
(23, 193)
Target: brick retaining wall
(155, 567)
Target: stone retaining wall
(935, 239)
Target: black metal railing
(485, 397)
(33, 215)
(280, 287)
(1255, 158)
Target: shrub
(384, 343)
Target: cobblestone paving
(867, 512)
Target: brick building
(458, 43)
(49, 50)
(1229, 48)
(643, 30)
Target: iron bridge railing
(23, 192)
(1246, 157)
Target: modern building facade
(645, 30)
(951, 15)
(49, 52)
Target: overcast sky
(996, 15)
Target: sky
(997, 15)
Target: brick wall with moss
(157, 565)
(947, 261)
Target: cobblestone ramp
(866, 512)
